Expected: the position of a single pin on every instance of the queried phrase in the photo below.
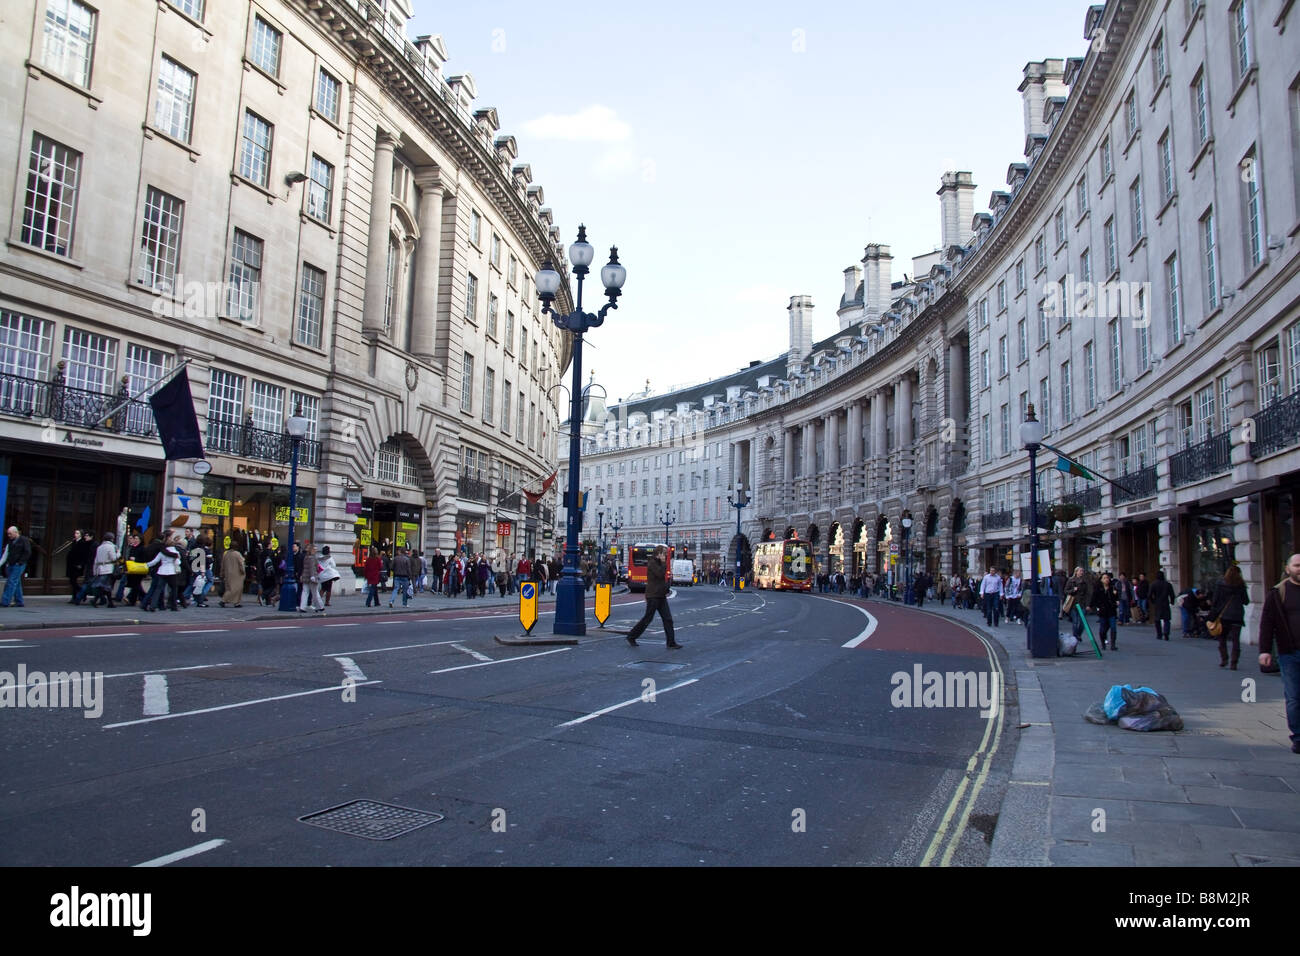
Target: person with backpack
(1228, 609)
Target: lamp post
(570, 607)
(1044, 609)
(667, 518)
(615, 527)
(296, 426)
(738, 501)
(907, 557)
(600, 526)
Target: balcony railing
(65, 405)
(1203, 460)
(1140, 484)
(1277, 426)
(473, 489)
(997, 520)
(1089, 499)
(248, 441)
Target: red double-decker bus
(783, 565)
(639, 556)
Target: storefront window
(1214, 548)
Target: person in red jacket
(374, 565)
(1279, 626)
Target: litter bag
(1115, 702)
(1096, 714)
(1165, 718)
(1069, 644)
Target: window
(1042, 322)
(532, 424)
(266, 46)
(986, 437)
(1253, 217)
(1116, 356)
(1003, 357)
(519, 424)
(984, 369)
(523, 345)
(245, 276)
(467, 383)
(1022, 334)
(1085, 266)
(1130, 115)
(1201, 108)
(24, 353)
(1107, 160)
(50, 204)
(1159, 64)
(311, 306)
(1040, 254)
(160, 240)
(1112, 251)
(309, 407)
(328, 95)
(514, 269)
(475, 226)
(496, 250)
(173, 110)
(510, 330)
(1291, 342)
(1173, 296)
(1166, 168)
(89, 360)
(1020, 275)
(1268, 362)
(1081, 194)
(1203, 408)
(492, 315)
(1067, 393)
(225, 398)
(320, 191)
(505, 405)
(1143, 332)
(1002, 296)
(1089, 377)
(983, 313)
(471, 297)
(489, 394)
(1225, 403)
(191, 8)
(1240, 40)
(69, 42)
(1006, 429)
(255, 155)
(267, 406)
(1209, 261)
(1135, 208)
(1059, 222)
(392, 276)
(1024, 405)
(144, 367)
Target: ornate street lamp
(667, 518)
(570, 606)
(296, 426)
(1044, 608)
(738, 501)
(907, 557)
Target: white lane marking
(504, 660)
(9, 640)
(244, 703)
(10, 647)
(350, 668)
(155, 695)
(342, 625)
(381, 623)
(474, 654)
(278, 627)
(627, 703)
(380, 650)
(117, 634)
(157, 670)
(182, 854)
(210, 630)
(867, 631)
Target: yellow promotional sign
(401, 539)
(364, 538)
(602, 604)
(225, 544)
(528, 605)
(282, 515)
(216, 506)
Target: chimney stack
(800, 310)
(848, 310)
(878, 276)
(1043, 80)
(957, 205)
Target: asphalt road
(764, 741)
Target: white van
(683, 572)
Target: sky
(739, 154)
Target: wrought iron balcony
(997, 520)
(1277, 426)
(41, 400)
(1203, 460)
(472, 488)
(1140, 484)
(248, 441)
(1089, 499)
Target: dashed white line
(342, 625)
(10, 647)
(474, 654)
(116, 634)
(627, 703)
(182, 854)
(155, 695)
(210, 630)
(399, 647)
(350, 668)
(244, 703)
(504, 660)
(277, 627)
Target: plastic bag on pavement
(1069, 644)
(1096, 714)
(1117, 705)
(1164, 718)
(1141, 701)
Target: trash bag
(1096, 714)
(1117, 705)
(1068, 645)
(1163, 718)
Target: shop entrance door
(46, 503)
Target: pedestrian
(311, 572)
(1228, 607)
(1105, 601)
(75, 563)
(656, 598)
(1078, 594)
(1124, 587)
(1142, 597)
(328, 575)
(135, 553)
(17, 552)
(168, 561)
(104, 562)
(85, 559)
(991, 596)
(1279, 628)
(437, 567)
(1159, 598)
(200, 570)
(401, 577)
(374, 570)
(267, 576)
(1012, 590)
(232, 578)
(1187, 602)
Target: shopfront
(1137, 548)
(247, 507)
(1207, 544)
(1278, 508)
(386, 524)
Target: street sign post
(528, 605)
(602, 604)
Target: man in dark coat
(1161, 596)
(1279, 628)
(656, 598)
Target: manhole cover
(371, 820)
(659, 666)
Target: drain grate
(371, 820)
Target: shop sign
(70, 439)
(261, 471)
(390, 493)
(216, 506)
(503, 529)
(400, 539)
(364, 537)
(282, 515)
(353, 499)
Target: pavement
(1224, 791)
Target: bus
(638, 557)
(783, 565)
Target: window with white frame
(1005, 428)
(1204, 407)
(1040, 254)
(519, 420)
(1253, 217)
(244, 277)
(1112, 250)
(226, 396)
(266, 46)
(1159, 62)
(173, 109)
(986, 437)
(388, 461)
(1022, 337)
(1067, 392)
(471, 297)
(1143, 329)
(1116, 356)
(1135, 210)
(1002, 296)
(467, 383)
(24, 353)
(1020, 275)
(329, 95)
(1107, 159)
(475, 226)
(1004, 358)
(983, 313)
(1209, 260)
(1081, 194)
(1166, 157)
(492, 315)
(1059, 223)
(1201, 108)
(513, 270)
(509, 340)
(505, 405)
(495, 250)
(90, 360)
(984, 369)
(1085, 266)
(144, 367)
(1042, 321)
(1225, 402)
(1268, 366)
(1173, 296)
(1130, 114)
(255, 149)
(489, 394)
(68, 46)
(160, 240)
(1138, 447)
(1090, 376)
(1241, 52)
(311, 307)
(1291, 342)
(267, 405)
(50, 202)
(320, 190)
(191, 8)
(1045, 403)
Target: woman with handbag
(1228, 614)
(328, 575)
(311, 572)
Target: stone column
(879, 467)
(809, 465)
(906, 453)
(957, 389)
(787, 463)
(854, 425)
(424, 313)
(833, 459)
(381, 197)
(1249, 553)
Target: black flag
(178, 426)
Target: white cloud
(596, 123)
